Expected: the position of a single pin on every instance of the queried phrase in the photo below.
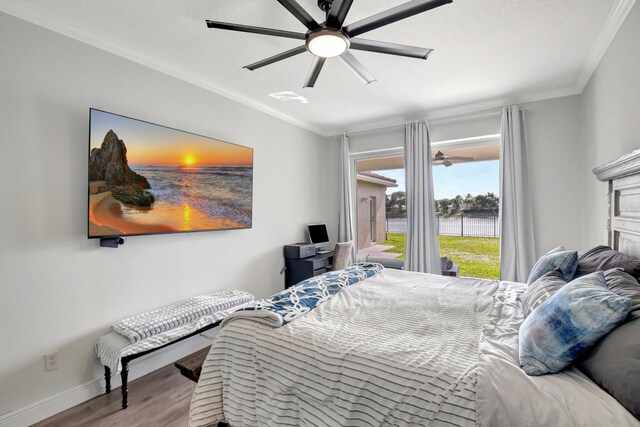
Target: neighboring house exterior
(371, 199)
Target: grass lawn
(477, 256)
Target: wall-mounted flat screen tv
(150, 179)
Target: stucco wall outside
(366, 190)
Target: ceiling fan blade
(255, 30)
(338, 13)
(275, 58)
(301, 15)
(314, 72)
(392, 15)
(356, 66)
(460, 158)
(446, 163)
(391, 48)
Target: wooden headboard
(623, 225)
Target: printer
(299, 250)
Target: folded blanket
(145, 325)
(297, 300)
(112, 347)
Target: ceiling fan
(334, 39)
(442, 159)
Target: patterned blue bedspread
(288, 305)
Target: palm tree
(469, 201)
(457, 203)
(444, 205)
(493, 201)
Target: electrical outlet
(51, 361)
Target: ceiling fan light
(327, 43)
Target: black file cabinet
(297, 270)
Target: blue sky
(461, 178)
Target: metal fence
(455, 225)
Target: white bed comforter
(399, 349)
(506, 396)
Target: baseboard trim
(64, 400)
(50, 406)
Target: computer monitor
(318, 233)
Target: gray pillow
(541, 290)
(567, 261)
(603, 258)
(625, 285)
(614, 363)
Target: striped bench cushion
(145, 325)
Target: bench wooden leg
(107, 379)
(125, 386)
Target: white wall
(610, 117)
(61, 291)
(556, 173)
(376, 140)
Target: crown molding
(37, 16)
(60, 25)
(617, 15)
(459, 112)
(612, 24)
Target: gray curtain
(422, 252)
(517, 248)
(345, 222)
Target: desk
(297, 270)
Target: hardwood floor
(160, 398)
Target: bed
(408, 349)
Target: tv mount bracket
(111, 242)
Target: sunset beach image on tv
(148, 179)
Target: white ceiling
(485, 52)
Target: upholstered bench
(145, 333)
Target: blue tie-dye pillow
(566, 261)
(569, 323)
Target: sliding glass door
(466, 187)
